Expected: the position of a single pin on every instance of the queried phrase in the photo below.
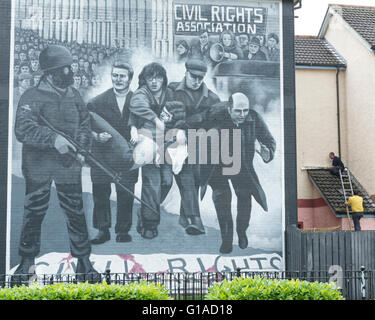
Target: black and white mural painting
(146, 136)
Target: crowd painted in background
(87, 58)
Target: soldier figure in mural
(113, 106)
(197, 98)
(236, 114)
(47, 158)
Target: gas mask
(62, 77)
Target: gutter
(322, 66)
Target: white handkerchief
(178, 156)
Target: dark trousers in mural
(156, 183)
(187, 184)
(36, 205)
(102, 207)
(222, 198)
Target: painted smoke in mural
(139, 93)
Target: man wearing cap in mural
(197, 99)
(232, 115)
(113, 106)
(49, 157)
(254, 50)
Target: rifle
(115, 176)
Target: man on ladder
(356, 203)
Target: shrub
(272, 289)
(86, 291)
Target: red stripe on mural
(311, 203)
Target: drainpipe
(338, 111)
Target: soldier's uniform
(42, 163)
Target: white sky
(311, 15)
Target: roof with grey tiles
(360, 18)
(329, 186)
(316, 52)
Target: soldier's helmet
(54, 57)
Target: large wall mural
(147, 136)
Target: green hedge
(272, 289)
(238, 289)
(86, 291)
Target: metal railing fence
(354, 284)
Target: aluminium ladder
(347, 189)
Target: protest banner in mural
(193, 18)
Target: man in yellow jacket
(356, 203)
